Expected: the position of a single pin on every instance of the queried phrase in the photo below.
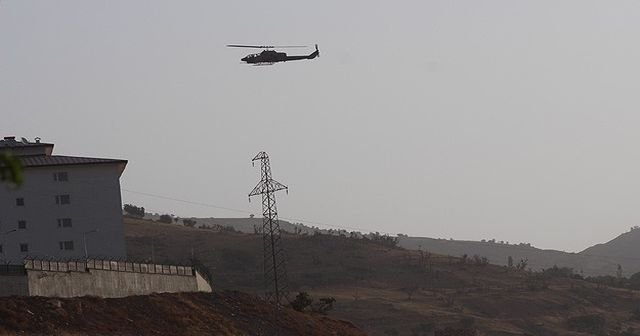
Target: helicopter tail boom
(313, 55)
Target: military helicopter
(268, 57)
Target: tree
(410, 290)
(323, 305)
(257, 229)
(10, 169)
(634, 281)
(189, 222)
(302, 301)
(522, 264)
(463, 260)
(619, 272)
(165, 219)
(384, 240)
(134, 211)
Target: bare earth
(392, 291)
(220, 313)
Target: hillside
(242, 224)
(626, 247)
(219, 313)
(386, 290)
(600, 260)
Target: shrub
(302, 301)
(323, 305)
(423, 329)
(522, 264)
(189, 222)
(467, 322)
(558, 272)
(464, 258)
(165, 219)
(634, 281)
(384, 240)
(478, 260)
(593, 323)
(392, 332)
(635, 313)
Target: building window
(64, 222)
(24, 248)
(19, 201)
(61, 176)
(63, 199)
(22, 224)
(66, 245)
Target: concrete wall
(98, 283)
(106, 283)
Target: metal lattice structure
(275, 272)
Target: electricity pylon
(275, 272)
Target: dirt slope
(220, 313)
(393, 291)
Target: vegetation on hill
(387, 290)
(134, 211)
(591, 263)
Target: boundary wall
(94, 277)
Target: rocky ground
(218, 313)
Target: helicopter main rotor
(261, 47)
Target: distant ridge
(626, 245)
(601, 259)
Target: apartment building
(68, 206)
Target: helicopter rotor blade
(247, 46)
(261, 47)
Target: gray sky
(514, 120)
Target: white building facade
(67, 206)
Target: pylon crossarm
(266, 187)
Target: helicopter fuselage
(272, 56)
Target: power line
(209, 205)
(185, 201)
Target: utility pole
(275, 273)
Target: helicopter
(269, 57)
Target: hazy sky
(514, 120)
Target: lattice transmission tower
(275, 271)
